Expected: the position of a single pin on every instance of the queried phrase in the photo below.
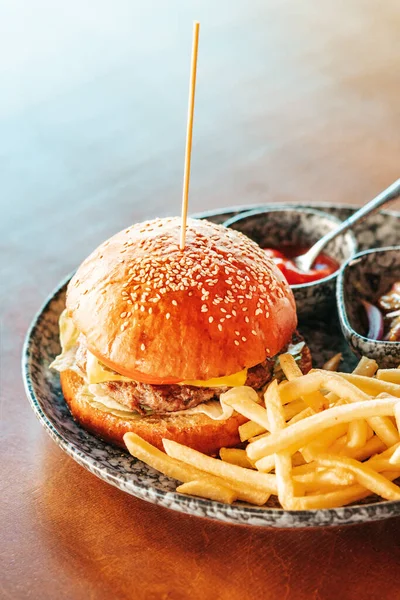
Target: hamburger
(153, 336)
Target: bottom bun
(197, 431)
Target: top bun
(161, 315)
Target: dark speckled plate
(132, 476)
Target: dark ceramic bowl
(301, 227)
(367, 276)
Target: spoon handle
(391, 193)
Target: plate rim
(280, 518)
(213, 212)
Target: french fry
(267, 464)
(246, 404)
(283, 461)
(298, 388)
(343, 388)
(384, 429)
(307, 412)
(205, 489)
(249, 430)
(235, 456)
(380, 464)
(178, 470)
(263, 482)
(323, 477)
(372, 386)
(371, 447)
(303, 432)
(293, 408)
(357, 434)
(314, 400)
(366, 367)
(397, 415)
(333, 363)
(323, 441)
(360, 431)
(390, 375)
(289, 366)
(395, 458)
(370, 432)
(310, 467)
(245, 401)
(382, 426)
(387, 453)
(341, 447)
(264, 464)
(365, 476)
(337, 498)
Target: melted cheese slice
(235, 380)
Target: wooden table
(295, 101)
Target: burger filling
(116, 393)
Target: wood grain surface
(295, 101)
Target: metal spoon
(306, 261)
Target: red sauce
(323, 266)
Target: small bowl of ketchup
(368, 299)
(285, 233)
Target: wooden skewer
(189, 131)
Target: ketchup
(323, 266)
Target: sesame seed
(237, 343)
(202, 266)
(210, 319)
(123, 315)
(220, 326)
(143, 347)
(253, 332)
(167, 316)
(244, 339)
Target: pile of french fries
(321, 440)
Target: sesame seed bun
(158, 314)
(197, 431)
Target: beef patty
(142, 397)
